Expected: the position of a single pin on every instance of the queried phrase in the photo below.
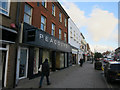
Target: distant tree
(98, 55)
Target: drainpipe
(17, 40)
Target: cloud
(101, 48)
(75, 13)
(101, 24)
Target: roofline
(60, 7)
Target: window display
(36, 60)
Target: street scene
(59, 44)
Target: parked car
(98, 64)
(112, 71)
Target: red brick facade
(47, 12)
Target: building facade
(8, 37)
(43, 34)
(83, 48)
(74, 39)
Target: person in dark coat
(81, 62)
(45, 72)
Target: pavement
(71, 77)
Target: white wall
(74, 41)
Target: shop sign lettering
(51, 40)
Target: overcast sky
(98, 21)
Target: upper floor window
(53, 29)
(44, 3)
(60, 17)
(27, 14)
(60, 33)
(43, 23)
(65, 22)
(65, 37)
(53, 9)
(5, 7)
(71, 32)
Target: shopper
(45, 72)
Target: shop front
(7, 47)
(38, 45)
(74, 56)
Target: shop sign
(43, 39)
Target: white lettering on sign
(56, 42)
(41, 36)
(46, 39)
(51, 41)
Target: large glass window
(27, 14)
(60, 33)
(43, 23)
(53, 9)
(53, 29)
(65, 38)
(4, 7)
(44, 3)
(60, 17)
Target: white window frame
(53, 10)
(8, 9)
(44, 1)
(53, 29)
(28, 14)
(44, 24)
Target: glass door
(23, 62)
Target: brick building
(43, 33)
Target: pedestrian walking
(45, 72)
(81, 62)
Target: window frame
(60, 17)
(28, 14)
(60, 35)
(53, 10)
(8, 9)
(44, 24)
(53, 30)
(45, 2)
(65, 37)
(65, 22)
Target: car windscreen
(115, 66)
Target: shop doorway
(22, 63)
(2, 67)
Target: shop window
(53, 9)
(43, 23)
(53, 29)
(5, 7)
(28, 14)
(36, 61)
(31, 36)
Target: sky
(98, 21)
